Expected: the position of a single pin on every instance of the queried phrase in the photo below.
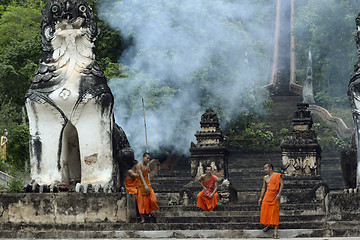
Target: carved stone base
(301, 163)
(66, 208)
(304, 189)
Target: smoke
(187, 56)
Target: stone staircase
(238, 219)
(235, 220)
(241, 219)
(331, 171)
(246, 170)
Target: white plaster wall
(4, 178)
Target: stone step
(173, 173)
(244, 161)
(285, 215)
(346, 217)
(179, 179)
(305, 207)
(257, 183)
(299, 220)
(164, 189)
(219, 216)
(246, 170)
(246, 173)
(155, 226)
(175, 187)
(156, 234)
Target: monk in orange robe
(131, 179)
(145, 197)
(208, 198)
(273, 185)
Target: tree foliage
(328, 28)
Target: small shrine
(301, 153)
(301, 157)
(210, 149)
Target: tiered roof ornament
(308, 92)
(210, 134)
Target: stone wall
(343, 203)
(66, 208)
(4, 178)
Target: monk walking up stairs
(208, 198)
(270, 203)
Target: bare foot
(267, 228)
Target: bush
(255, 138)
(18, 147)
(15, 185)
(328, 139)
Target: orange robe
(146, 202)
(203, 201)
(270, 206)
(131, 185)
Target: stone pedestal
(301, 159)
(210, 149)
(301, 153)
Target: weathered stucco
(343, 204)
(66, 208)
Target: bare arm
(201, 180)
(139, 171)
(215, 189)
(263, 189)
(132, 174)
(216, 186)
(280, 189)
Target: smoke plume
(187, 56)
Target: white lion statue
(74, 140)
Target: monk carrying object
(269, 201)
(145, 197)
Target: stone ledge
(344, 203)
(66, 208)
(155, 234)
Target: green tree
(327, 27)
(19, 51)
